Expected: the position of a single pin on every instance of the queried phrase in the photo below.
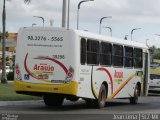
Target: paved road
(148, 108)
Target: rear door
(146, 73)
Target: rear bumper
(69, 88)
(154, 88)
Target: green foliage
(157, 55)
(7, 58)
(27, 1)
(155, 70)
(152, 49)
(155, 52)
(157, 60)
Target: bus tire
(102, 97)
(134, 99)
(53, 100)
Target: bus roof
(111, 39)
(93, 36)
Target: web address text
(40, 45)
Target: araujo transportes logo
(44, 68)
(41, 71)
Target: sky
(126, 15)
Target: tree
(27, 1)
(152, 51)
(3, 79)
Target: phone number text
(44, 38)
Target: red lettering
(35, 67)
(118, 74)
(43, 67)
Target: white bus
(61, 63)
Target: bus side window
(118, 55)
(92, 52)
(83, 51)
(138, 58)
(105, 53)
(128, 57)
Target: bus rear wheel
(102, 97)
(134, 99)
(53, 100)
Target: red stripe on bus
(110, 77)
(43, 58)
(123, 85)
(54, 60)
(28, 71)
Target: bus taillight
(69, 75)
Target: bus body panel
(47, 58)
(123, 86)
(121, 82)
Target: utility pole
(100, 22)
(0, 36)
(68, 14)
(110, 29)
(133, 30)
(64, 14)
(40, 18)
(78, 8)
